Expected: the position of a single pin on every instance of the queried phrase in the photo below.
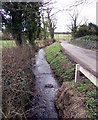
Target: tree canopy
(22, 18)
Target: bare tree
(76, 3)
(74, 21)
(80, 2)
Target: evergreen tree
(22, 17)
(32, 21)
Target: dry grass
(43, 43)
(47, 42)
(17, 81)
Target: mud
(69, 104)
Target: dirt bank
(69, 103)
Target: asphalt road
(86, 58)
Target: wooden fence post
(77, 73)
(89, 75)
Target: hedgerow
(17, 82)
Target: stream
(43, 104)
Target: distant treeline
(62, 33)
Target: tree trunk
(18, 40)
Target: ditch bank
(68, 103)
(71, 101)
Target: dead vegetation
(43, 43)
(69, 104)
(17, 82)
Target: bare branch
(77, 3)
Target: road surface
(86, 58)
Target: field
(62, 36)
(7, 43)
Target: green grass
(7, 43)
(92, 38)
(77, 44)
(89, 90)
(64, 70)
(86, 42)
(62, 36)
(59, 62)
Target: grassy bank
(62, 67)
(64, 70)
(89, 42)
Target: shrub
(92, 38)
(84, 30)
(93, 28)
(17, 81)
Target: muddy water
(43, 104)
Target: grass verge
(89, 91)
(64, 70)
(89, 42)
(62, 67)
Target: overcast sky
(87, 12)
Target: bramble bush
(17, 81)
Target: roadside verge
(84, 91)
